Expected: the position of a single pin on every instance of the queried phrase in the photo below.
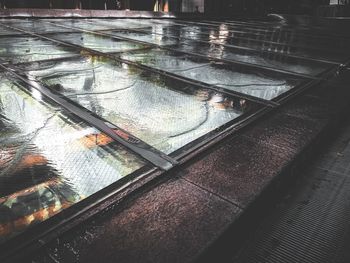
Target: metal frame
(132, 143)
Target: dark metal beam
(132, 143)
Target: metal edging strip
(132, 143)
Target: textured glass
(217, 44)
(121, 23)
(25, 49)
(252, 83)
(35, 25)
(49, 161)
(152, 37)
(4, 31)
(96, 42)
(77, 23)
(164, 114)
(269, 60)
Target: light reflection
(218, 39)
(146, 106)
(54, 161)
(37, 95)
(251, 83)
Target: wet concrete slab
(286, 132)
(238, 170)
(171, 223)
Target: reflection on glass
(35, 25)
(255, 57)
(251, 83)
(103, 44)
(154, 35)
(77, 23)
(25, 49)
(121, 23)
(48, 161)
(4, 31)
(215, 44)
(165, 114)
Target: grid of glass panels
(49, 160)
(168, 83)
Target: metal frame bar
(121, 136)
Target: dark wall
(26, 4)
(213, 7)
(146, 5)
(261, 7)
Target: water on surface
(154, 37)
(75, 23)
(49, 161)
(165, 114)
(216, 43)
(25, 49)
(35, 25)
(251, 83)
(103, 44)
(257, 58)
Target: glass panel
(166, 114)
(121, 23)
(282, 49)
(78, 23)
(35, 25)
(4, 31)
(153, 37)
(255, 57)
(103, 44)
(49, 161)
(252, 83)
(24, 49)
